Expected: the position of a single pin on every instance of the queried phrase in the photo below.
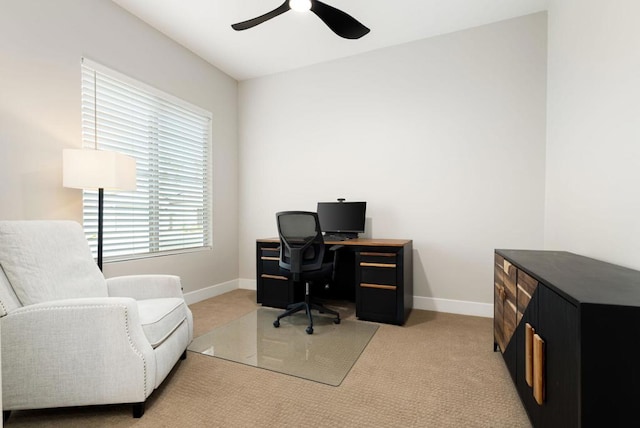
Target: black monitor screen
(342, 217)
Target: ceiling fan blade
(260, 19)
(342, 24)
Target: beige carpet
(438, 370)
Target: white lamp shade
(98, 169)
(300, 5)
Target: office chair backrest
(301, 242)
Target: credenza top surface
(580, 279)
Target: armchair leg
(184, 355)
(5, 415)
(138, 410)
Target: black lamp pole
(100, 219)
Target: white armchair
(72, 338)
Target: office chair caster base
(309, 330)
(276, 323)
(336, 321)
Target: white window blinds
(169, 138)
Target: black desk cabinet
(377, 273)
(568, 328)
(273, 289)
(384, 284)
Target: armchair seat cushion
(161, 317)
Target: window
(170, 139)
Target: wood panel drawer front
(510, 320)
(510, 287)
(527, 282)
(526, 287)
(505, 305)
(498, 307)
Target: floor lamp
(98, 169)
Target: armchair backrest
(47, 260)
(301, 243)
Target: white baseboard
(461, 307)
(211, 291)
(247, 284)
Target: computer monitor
(344, 219)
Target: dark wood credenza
(568, 328)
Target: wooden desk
(376, 273)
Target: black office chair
(302, 252)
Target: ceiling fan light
(300, 5)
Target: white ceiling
(294, 39)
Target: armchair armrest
(76, 352)
(142, 287)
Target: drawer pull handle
(380, 265)
(264, 275)
(275, 259)
(538, 369)
(380, 286)
(378, 254)
(528, 352)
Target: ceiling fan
(341, 23)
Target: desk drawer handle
(264, 275)
(275, 259)
(379, 254)
(380, 265)
(382, 287)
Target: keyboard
(335, 238)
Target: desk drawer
(377, 303)
(377, 286)
(270, 251)
(270, 265)
(382, 258)
(377, 268)
(276, 290)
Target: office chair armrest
(335, 247)
(295, 255)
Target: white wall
(593, 149)
(444, 138)
(41, 43)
